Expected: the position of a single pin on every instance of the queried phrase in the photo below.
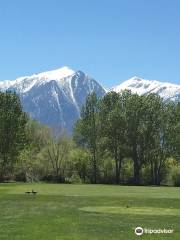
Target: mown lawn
(87, 212)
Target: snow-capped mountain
(167, 91)
(55, 97)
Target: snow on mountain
(167, 91)
(24, 84)
(55, 97)
(56, 74)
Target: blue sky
(112, 40)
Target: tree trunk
(117, 172)
(94, 167)
(136, 167)
(157, 173)
(136, 173)
(118, 168)
(152, 173)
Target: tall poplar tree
(87, 131)
(12, 131)
(113, 129)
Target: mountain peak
(136, 78)
(57, 73)
(54, 97)
(167, 91)
(139, 80)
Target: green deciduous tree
(123, 125)
(57, 154)
(80, 161)
(87, 131)
(32, 165)
(12, 131)
(113, 129)
(134, 112)
(176, 136)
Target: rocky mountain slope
(54, 98)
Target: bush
(75, 178)
(175, 176)
(127, 172)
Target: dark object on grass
(34, 192)
(28, 192)
(127, 206)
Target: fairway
(134, 210)
(87, 212)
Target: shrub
(75, 178)
(175, 176)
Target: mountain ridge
(168, 91)
(55, 97)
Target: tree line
(122, 138)
(140, 131)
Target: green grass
(87, 212)
(134, 210)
